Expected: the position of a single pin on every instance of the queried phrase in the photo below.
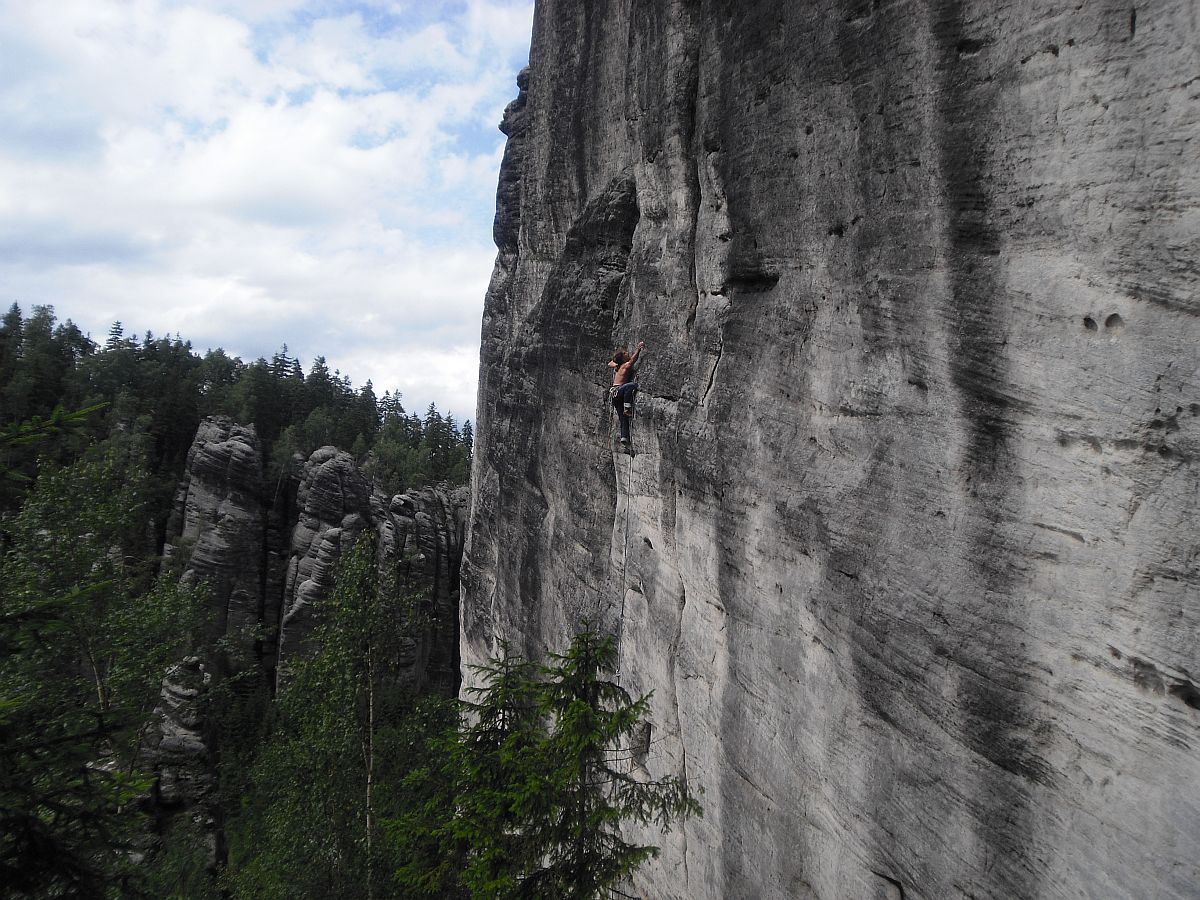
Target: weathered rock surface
(334, 505)
(217, 525)
(420, 533)
(267, 557)
(908, 552)
(182, 756)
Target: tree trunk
(370, 811)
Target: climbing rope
(625, 548)
(624, 565)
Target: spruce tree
(85, 637)
(590, 789)
(533, 788)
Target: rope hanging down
(620, 631)
(624, 568)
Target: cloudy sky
(250, 173)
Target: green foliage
(85, 636)
(588, 789)
(159, 389)
(310, 826)
(409, 451)
(88, 626)
(529, 792)
(429, 855)
(18, 438)
(179, 870)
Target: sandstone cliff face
(180, 747)
(419, 537)
(268, 557)
(333, 502)
(907, 550)
(216, 530)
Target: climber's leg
(627, 392)
(622, 419)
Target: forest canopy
(158, 389)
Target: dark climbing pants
(620, 396)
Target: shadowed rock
(216, 530)
(269, 558)
(420, 536)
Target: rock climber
(624, 387)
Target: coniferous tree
(85, 637)
(319, 387)
(590, 788)
(34, 385)
(531, 791)
(217, 379)
(160, 388)
(497, 760)
(11, 326)
(468, 438)
(312, 827)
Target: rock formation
(183, 760)
(419, 536)
(216, 529)
(907, 549)
(267, 559)
(334, 506)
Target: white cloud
(320, 174)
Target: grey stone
(419, 536)
(270, 555)
(907, 546)
(177, 745)
(215, 534)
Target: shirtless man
(624, 387)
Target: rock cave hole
(1114, 322)
(1187, 692)
(970, 46)
(1089, 323)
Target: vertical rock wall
(907, 550)
(215, 533)
(419, 540)
(267, 559)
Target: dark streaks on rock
(506, 229)
(996, 722)
(917, 280)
